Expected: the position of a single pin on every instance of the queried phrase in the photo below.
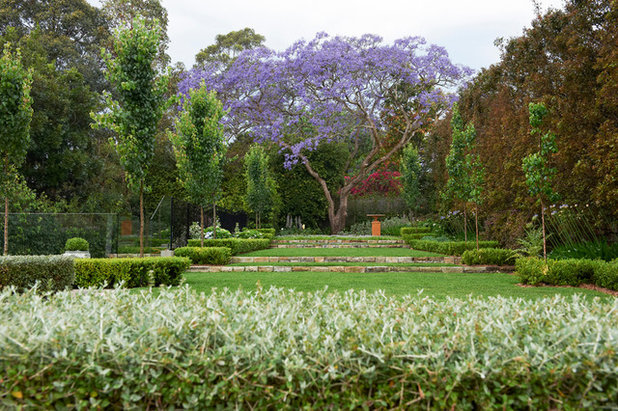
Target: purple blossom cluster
(330, 89)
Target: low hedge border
(134, 272)
(449, 247)
(414, 230)
(489, 256)
(274, 349)
(415, 236)
(51, 272)
(205, 255)
(571, 271)
(237, 245)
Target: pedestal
(376, 226)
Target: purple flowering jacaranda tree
(352, 89)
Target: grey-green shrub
(205, 255)
(76, 244)
(491, 256)
(250, 233)
(573, 272)
(51, 272)
(132, 272)
(281, 349)
(267, 232)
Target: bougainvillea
(385, 183)
(335, 89)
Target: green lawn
(439, 285)
(340, 252)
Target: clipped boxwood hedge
(52, 272)
(237, 245)
(414, 236)
(449, 247)
(76, 244)
(414, 230)
(205, 255)
(133, 272)
(572, 272)
(274, 349)
(490, 256)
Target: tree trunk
(476, 222)
(202, 225)
(6, 225)
(337, 219)
(141, 219)
(214, 220)
(544, 237)
(465, 224)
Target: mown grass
(340, 252)
(438, 285)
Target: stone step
(339, 259)
(340, 245)
(350, 269)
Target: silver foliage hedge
(280, 348)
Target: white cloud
(466, 28)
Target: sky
(466, 28)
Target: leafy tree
(139, 105)
(200, 148)
(477, 180)
(301, 195)
(260, 195)
(459, 186)
(121, 13)
(410, 169)
(539, 175)
(15, 117)
(60, 41)
(228, 46)
(334, 89)
(233, 185)
(567, 57)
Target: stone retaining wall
(444, 260)
(351, 269)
